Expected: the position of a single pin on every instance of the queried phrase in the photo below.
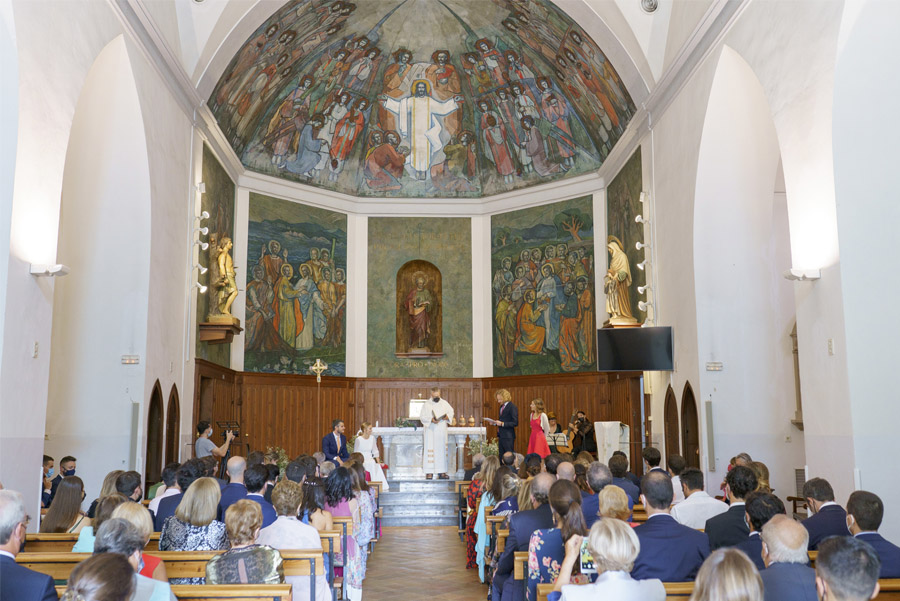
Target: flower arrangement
(283, 458)
(485, 447)
(402, 422)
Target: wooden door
(173, 418)
(673, 446)
(690, 427)
(216, 400)
(154, 454)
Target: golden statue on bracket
(223, 284)
(616, 284)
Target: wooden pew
(461, 487)
(231, 592)
(520, 570)
(502, 535)
(179, 564)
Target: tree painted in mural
(543, 289)
(421, 98)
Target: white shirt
(696, 509)
(154, 502)
(7, 553)
(676, 488)
(619, 586)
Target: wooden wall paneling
(215, 399)
(625, 395)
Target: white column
(482, 322)
(357, 295)
(600, 255)
(239, 254)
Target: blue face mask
(141, 565)
(50, 472)
(69, 473)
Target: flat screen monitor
(635, 349)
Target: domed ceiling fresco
(421, 98)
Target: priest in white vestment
(420, 129)
(436, 415)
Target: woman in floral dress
(547, 548)
(473, 498)
(341, 501)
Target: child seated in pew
(104, 509)
(246, 562)
(288, 532)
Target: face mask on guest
(69, 472)
(50, 472)
(436, 399)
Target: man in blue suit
(864, 513)
(599, 477)
(235, 490)
(334, 445)
(190, 470)
(847, 569)
(18, 582)
(760, 508)
(829, 518)
(669, 551)
(506, 422)
(729, 529)
(521, 526)
(618, 465)
(787, 576)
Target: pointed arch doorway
(690, 427)
(173, 417)
(154, 451)
(673, 446)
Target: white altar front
(403, 450)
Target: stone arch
(173, 418)
(690, 427)
(154, 438)
(672, 428)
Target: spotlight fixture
(43, 270)
(201, 287)
(640, 219)
(202, 230)
(201, 187)
(641, 246)
(201, 268)
(802, 275)
(644, 305)
(203, 245)
(643, 197)
(202, 216)
(648, 6)
(643, 264)
(643, 289)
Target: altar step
(419, 503)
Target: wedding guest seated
(613, 546)
(509, 489)
(67, 467)
(762, 476)
(189, 471)
(652, 458)
(829, 518)
(246, 562)
(864, 513)
(728, 574)
(255, 458)
(546, 549)
(531, 466)
(598, 477)
(65, 513)
(787, 576)
(618, 465)
(613, 503)
(288, 532)
(847, 569)
(326, 469)
(552, 461)
(729, 528)
(490, 489)
(273, 473)
(255, 479)
(194, 526)
(477, 460)
(565, 471)
(16, 581)
(319, 456)
(137, 516)
(103, 577)
(675, 464)
(129, 485)
(107, 488)
(85, 542)
(235, 490)
(697, 506)
(629, 475)
(759, 509)
(312, 506)
(120, 536)
(171, 487)
(581, 479)
(669, 551)
(341, 501)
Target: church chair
(502, 535)
(461, 487)
(520, 570)
(798, 503)
(345, 524)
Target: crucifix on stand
(318, 367)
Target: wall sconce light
(201, 287)
(641, 246)
(643, 289)
(640, 219)
(643, 264)
(43, 270)
(202, 230)
(203, 245)
(802, 275)
(201, 268)
(644, 305)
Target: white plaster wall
(9, 114)
(867, 183)
(745, 308)
(100, 309)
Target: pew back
(229, 592)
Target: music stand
(236, 428)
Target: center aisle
(416, 563)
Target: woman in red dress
(540, 426)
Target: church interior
(274, 214)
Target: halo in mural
(421, 98)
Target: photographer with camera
(204, 447)
(581, 434)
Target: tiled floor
(421, 563)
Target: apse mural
(421, 98)
(542, 260)
(623, 204)
(296, 294)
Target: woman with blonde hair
(107, 488)
(138, 516)
(613, 503)
(65, 513)
(540, 428)
(762, 476)
(728, 575)
(245, 562)
(194, 526)
(614, 547)
(488, 475)
(365, 445)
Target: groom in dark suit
(334, 445)
(18, 582)
(864, 513)
(507, 422)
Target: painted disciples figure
(393, 86)
(271, 258)
(420, 129)
(477, 71)
(562, 144)
(262, 334)
(314, 265)
(419, 306)
(288, 317)
(436, 416)
(384, 163)
(570, 330)
(504, 276)
(335, 325)
(505, 318)
(549, 292)
(534, 148)
(530, 338)
(445, 83)
(616, 285)
(457, 170)
(588, 335)
(496, 150)
(328, 294)
(311, 306)
(345, 134)
(358, 75)
(309, 148)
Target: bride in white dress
(365, 444)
